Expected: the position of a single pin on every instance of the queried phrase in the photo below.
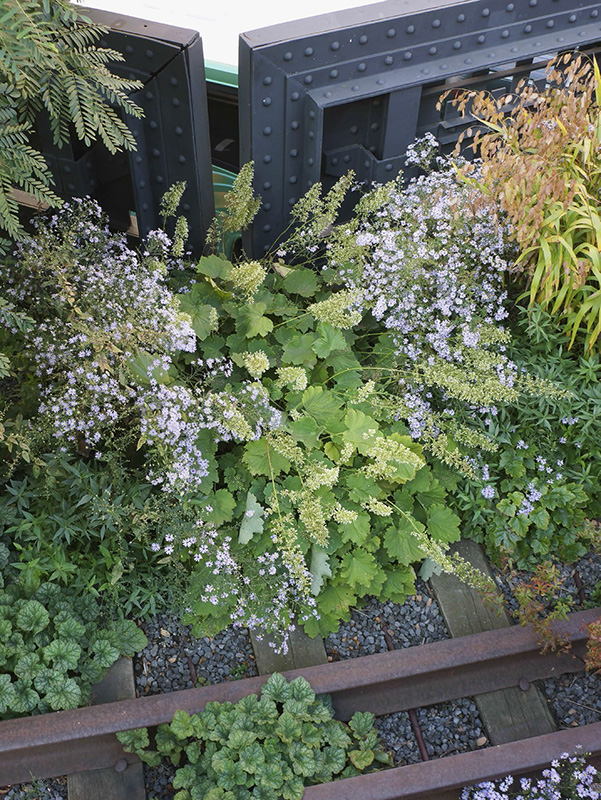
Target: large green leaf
(298, 350)
(251, 322)
(131, 638)
(300, 690)
(252, 521)
(288, 728)
(320, 568)
(276, 688)
(144, 366)
(222, 504)
(399, 584)
(202, 315)
(305, 430)
(443, 524)
(181, 726)
(63, 696)
(361, 430)
(358, 567)
(63, 654)
(301, 281)
(322, 405)
(401, 544)
(356, 531)
(361, 759)
(32, 617)
(213, 266)
(7, 693)
(258, 457)
(336, 599)
(26, 699)
(330, 339)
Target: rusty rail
(70, 741)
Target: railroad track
(64, 742)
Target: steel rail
(437, 778)
(64, 742)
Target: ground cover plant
(270, 745)
(568, 778)
(52, 648)
(544, 478)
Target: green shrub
(269, 746)
(537, 489)
(52, 647)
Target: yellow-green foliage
(542, 165)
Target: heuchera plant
(270, 745)
(52, 648)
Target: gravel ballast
(414, 622)
(447, 728)
(174, 659)
(55, 789)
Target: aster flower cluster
(108, 329)
(431, 271)
(568, 778)
(262, 592)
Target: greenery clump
(541, 165)
(53, 645)
(270, 745)
(544, 479)
(50, 62)
(84, 525)
(258, 420)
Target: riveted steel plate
(353, 89)
(172, 138)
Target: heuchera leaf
(26, 699)
(276, 688)
(66, 695)
(32, 617)
(63, 654)
(300, 690)
(361, 723)
(105, 653)
(7, 693)
(288, 728)
(131, 638)
(361, 758)
(181, 725)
